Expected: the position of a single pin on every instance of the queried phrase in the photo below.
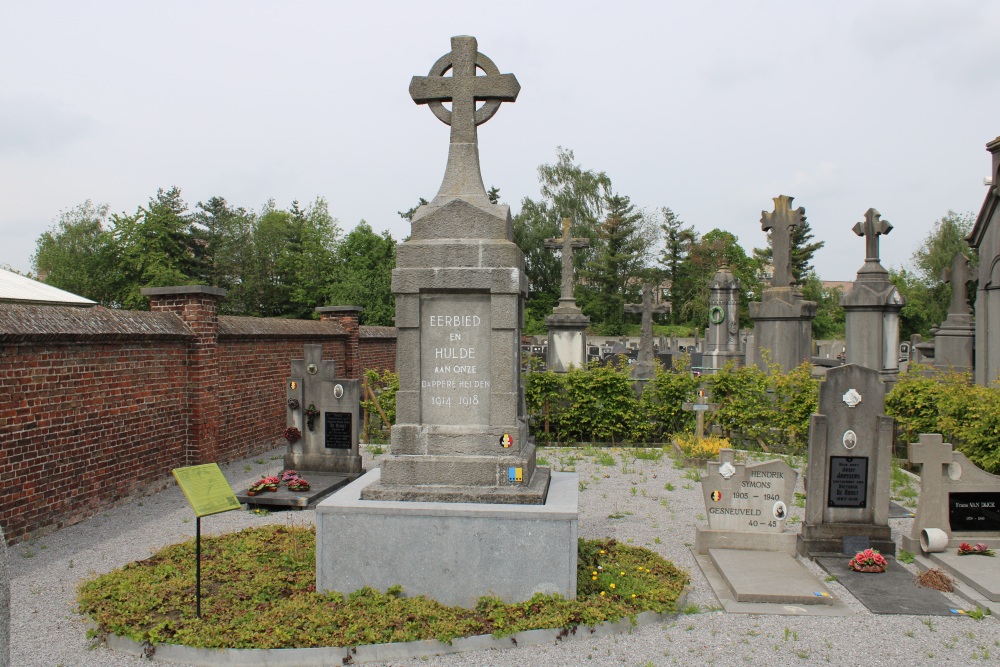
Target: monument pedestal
(827, 539)
(454, 553)
(567, 339)
(783, 327)
(955, 343)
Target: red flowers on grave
(977, 550)
(293, 481)
(292, 434)
(869, 560)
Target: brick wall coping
(233, 326)
(377, 332)
(339, 309)
(183, 289)
(24, 323)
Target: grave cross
(647, 308)
(313, 371)
(872, 227)
(464, 89)
(781, 224)
(959, 276)
(934, 455)
(567, 244)
(700, 407)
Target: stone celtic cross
(567, 244)
(872, 227)
(647, 308)
(463, 89)
(780, 223)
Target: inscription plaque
(455, 358)
(970, 511)
(337, 430)
(848, 481)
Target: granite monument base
(827, 540)
(567, 341)
(454, 553)
(324, 464)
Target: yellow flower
(602, 551)
(602, 593)
(623, 573)
(633, 594)
(612, 585)
(594, 578)
(594, 572)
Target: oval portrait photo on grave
(779, 511)
(850, 439)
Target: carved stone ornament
(852, 398)
(727, 470)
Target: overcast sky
(710, 108)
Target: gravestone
(567, 325)
(871, 307)
(954, 342)
(956, 497)
(782, 318)
(722, 344)
(325, 409)
(700, 406)
(747, 505)
(985, 240)
(458, 509)
(849, 472)
(644, 368)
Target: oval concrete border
(319, 657)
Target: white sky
(710, 108)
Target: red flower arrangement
(869, 560)
(977, 550)
(292, 434)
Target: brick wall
(98, 404)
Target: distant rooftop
(15, 288)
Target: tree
(615, 271)
(802, 251)
(363, 276)
(829, 321)
(78, 254)
(229, 237)
(677, 242)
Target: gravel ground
(646, 502)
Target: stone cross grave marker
(567, 244)
(956, 497)
(463, 89)
(780, 223)
(700, 407)
(644, 365)
(325, 409)
(871, 228)
(958, 276)
(849, 471)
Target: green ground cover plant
(258, 590)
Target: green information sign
(206, 489)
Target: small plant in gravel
(260, 593)
(701, 448)
(905, 556)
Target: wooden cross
(934, 455)
(781, 223)
(567, 244)
(959, 276)
(464, 89)
(700, 407)
(872, 227)
(647, 308)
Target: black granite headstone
(970, 511)
(337, 431)
(848, 481)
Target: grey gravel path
(645, 502)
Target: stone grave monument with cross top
(848, 476)
(567, 324)
(460, 487)
(782, 318)
(644, 367)
(959, 502)
(871, 307)
(722, 342)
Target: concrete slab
(963, 590)
(321, 485)
(732, 606)
(897, 511)
(891, 592)
(452, 552)
(980, 572)
(767, 576)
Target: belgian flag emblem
(716, 496)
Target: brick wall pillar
(197, 306)
(348, 318)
